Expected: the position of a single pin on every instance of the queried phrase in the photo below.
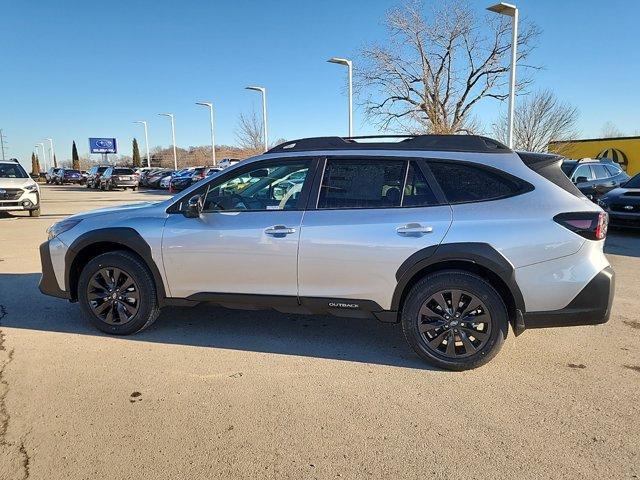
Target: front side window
(463, 183)
(582, 171)
(362, 183)
(268, 187)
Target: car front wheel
(454, 320)
(117, 292)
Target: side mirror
(194, 207)
(582, 179)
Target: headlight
(61, 227)
(32, 187)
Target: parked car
(188, 178)
(119, 177)
(153, 179)
(455, 237)
(94, 174)
(213, 170)
(18, 191)
(51, 175)
(228, 162)
(147, 174)
(68, 175)
(594, 177)
(85, 176)
(165, 183)
(623, 204)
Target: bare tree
(538, 120)
(432, 70)
(610, 130)
(249, 132)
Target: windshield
(122, 171)
(634, 182)
(12, 170)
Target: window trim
(233, 172)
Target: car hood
(119, 209)
(617, 193)
(15, 182)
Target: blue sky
(75, 69)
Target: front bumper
(48, 282)
(592, 306)
(32, 200)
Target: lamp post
(349, 65)
(213, 142)
(44, 156)
(263, 91)
(146, 139)
(52, 153)
(173, 138)
(510, 11)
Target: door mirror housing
(194, 207)
(582, 179)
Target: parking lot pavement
(215, 393)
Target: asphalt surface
(214, 393)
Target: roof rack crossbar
(455, 143)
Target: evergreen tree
(38, 165)
(75, 159)
(35, 170)
(55, 161)
(136, 154)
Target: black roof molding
(449, 143)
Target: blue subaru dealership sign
(102, 145)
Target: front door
(246, 239)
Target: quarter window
(465, 183)
(362, 183)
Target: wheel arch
(103, 240)
(478, 258)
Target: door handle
(279, 230)
(413, 230)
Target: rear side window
(362, 183)
(465, 183)
(613, 169)
(600, 172)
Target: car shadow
(623, 242)
(348, 339)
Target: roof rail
(452, 143)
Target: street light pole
(146, 139)
(213, 141)
(52, 153)
(510, 11)
(173, 138)
(44, 156)
(349, 65)
(263, 91)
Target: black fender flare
(129, 238)
(481, 254)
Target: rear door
(366, 216)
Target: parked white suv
(456, 237)
(18, 191)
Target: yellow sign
(623, 150)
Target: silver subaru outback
(454, 237)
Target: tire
(34, 213)
(475, 295)
(136, 270)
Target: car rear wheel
(454, 320)
(117, 292)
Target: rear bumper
(617, 219)
(48, 283)
(592, 306)
(124, 183)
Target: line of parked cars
(60, 176)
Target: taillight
(590, 225)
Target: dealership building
(623, 150)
